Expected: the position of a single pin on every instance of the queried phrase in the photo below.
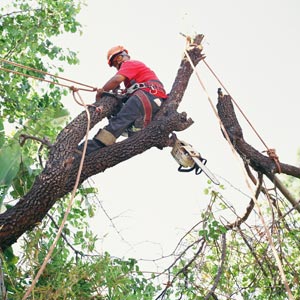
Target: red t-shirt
(136, 71)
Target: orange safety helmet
(113, 52)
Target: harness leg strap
(146, 105)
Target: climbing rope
(88, 87)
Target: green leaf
(2, 138)
(10, 158)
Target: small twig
(19, 12)
(3, 294)
(187, 248)
(64, 237)
(285, 192)
(220, 270)
(252, 252)
(182, 270)
(24, 137)
(250, 207)
(289, 211)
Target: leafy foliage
(27, 29)
(209, 260)
(237, 264)
(74, 271)
(212, 261)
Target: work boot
(102, 139)
(92, 146)
(105, 137)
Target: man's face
(117, 61)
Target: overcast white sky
(253, 46)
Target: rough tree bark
(262, 164)
(59, 175)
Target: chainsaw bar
(195, 156)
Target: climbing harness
(144, 101)
(189, 159)
(135, 87)
(138, 89)
(153, 87)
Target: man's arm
(111, 84)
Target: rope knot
(272, 154)
(98, 109)
(74, 89)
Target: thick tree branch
(59, 175)
(185, 71)
(259, 162)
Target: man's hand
(99, 93)
(111, 84)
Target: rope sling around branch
(269, 236)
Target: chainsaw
(189, 159)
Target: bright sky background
(254, 48)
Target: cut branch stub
(259, 162)
(256, 160)
(185, 71)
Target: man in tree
(144, 92)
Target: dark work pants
(131, 113)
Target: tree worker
(145, 95)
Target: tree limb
(59, 175)
(251, 156)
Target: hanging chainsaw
(189, 159)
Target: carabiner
(153, 90)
